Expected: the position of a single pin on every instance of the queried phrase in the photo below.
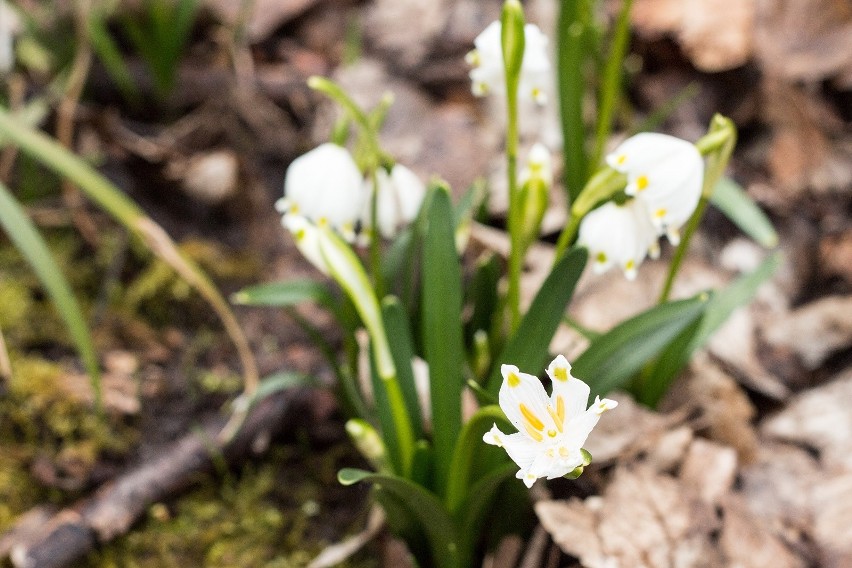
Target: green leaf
(422, 505)
(109, 54)
(471, 516)
(734, 202)
(442, 331)
(27, 239)
(469, 441)
(482, 293)
(399, 338)
(528, 347)
(270, 385)
(721, 305)
(621, 352)
(285, 294)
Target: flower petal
(570, 395)
(524, 401)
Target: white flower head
(325, 186)
(397, 203)
(539, 166)
(666, 174)
(618, 235)
(488, 73)
(551, 429)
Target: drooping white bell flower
(10, 26)
(325, 186)
(488, 73)
(620, 235)
(551, 430)
(397, 203)
(665, 174)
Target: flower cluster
(664, 181)
(325, 187)
(488, 74)
(551, 429)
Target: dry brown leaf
(747, 543)
(820, 418)
(832, 531)
(709, 470)
(633, 425)
(804, 39)
(815, 331)
(716, 34)
(265, 17)
(835, 255)
(643, 520)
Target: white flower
(666, 174)
(551, 430)
(10, 26)
(398, 202)
(488, 73)
(538, 166)
(325, 186)
(306, 235)
(620, 235)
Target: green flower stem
(375, 248)
(611, 87)
(718, 145)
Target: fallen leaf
(815, 331)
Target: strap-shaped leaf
(528, 347)
(734, 202)
(721, 305)
(471, 515)
(28, 240)
(283, 294)
(442, 331)
(399, 338)
(483, 295)
(423, 506)
(621, 352)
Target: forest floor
(747, 463)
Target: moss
(265, 518)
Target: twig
(111, 511)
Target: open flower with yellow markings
(665, 174)
(618, 235)
(326, 187)
(551, 429)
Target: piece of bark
(113, 509)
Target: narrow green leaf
(469, 441)
(442, 331)
(528, 347)
(399, 338)
(270, 385)
(433, 519)
(482, 294)
(734, 202)
(284, 294)
(471, 516)
(109, 54)
(27, 239)
(620, 353)
(721, 305)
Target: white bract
(551, 430)
(488, 74)
(398, 201)
(665, 174)
(325, 186)
(620, 235)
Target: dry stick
(117, 505)
(65, 119)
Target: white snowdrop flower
(538, 166)
(551, 430)
(325, 186)
(10, 26)
(666, 174)
(397, 203)
(306, 236)
(620, 235)
(488, 73)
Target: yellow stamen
(534, 434)
(560, 409)
(513, 379)
(531, 418)
(555, 415)
(642, 183)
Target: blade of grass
(732, 200)
(28, 240)
(107, 196)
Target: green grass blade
(721, 305)
(286, 294)
(482, 294)
(620, 353)
(401, 346)
(574, 21)
(28, 240)
(107, 196)
(610, 93)
(442, 331)
(109, 54)
(528, 347)
(422, 506)
(734, 202)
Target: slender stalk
(567, 236)
(680, 251)
(574, 17)
(375, 250)
(515, 230)
(611, 86)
